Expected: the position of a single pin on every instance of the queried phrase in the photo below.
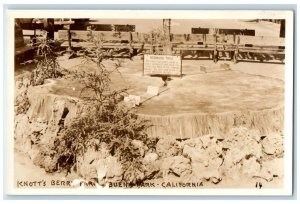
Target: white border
(136, 14)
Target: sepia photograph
(150, 102)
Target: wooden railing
(197, 44)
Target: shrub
(104, 120)
(47, 65)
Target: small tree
(105, 120)
(47, 66)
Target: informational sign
(162, 65)
(152, 90)
(132, 100)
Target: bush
(114, 125)
(104, 120)
(47, 66)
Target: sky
(180, 26)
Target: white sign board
(162, 65)
(132, 100)
(152, 90)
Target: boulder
(206, 173)
(275, 167)
(177, 165)
(233, 156)
(215, 162)
(139, 145)
(21, 125)
(151, 169)
(150, 157)
(233, 172)
(207, 140)
(265, 174)
(241, 143)
(250, 146)
(133, 175)
(88, 164)
(193, 142)
(114, 169)
(167, 148)
(46, 159)
(273, 144)
(196, 155)
(109, 169)
(251, 167)
(87, 171)
(21, 134)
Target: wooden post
(282, 28)
(167, 47)
(50, 28)
(69, 48)
(215, 52)
(152, 41)
(236, 51)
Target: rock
(26, 146)
(138, 144)
(167, 148)
(273, 144)
(196, 155)
(21, 85)
(255, 134)
(233, 172)
(133, 175)
(218, 148)
(21, 133)
(275, 167)
(177, 165)
(86, 170)
(241, 143)
(265, 174)
(108, 170)
(151, 169)
(215, 162)
(114, 168)
(206, 173)
(102, 153)
(38, 127)
(251, 167)
(207, 140)
(21, 125)
(89, 163)
(150, 157)
(34, 151)
(45, 159)
(233, 156)
(50, 164)
(250, 147)
(194, 142)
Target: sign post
(162, 65)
